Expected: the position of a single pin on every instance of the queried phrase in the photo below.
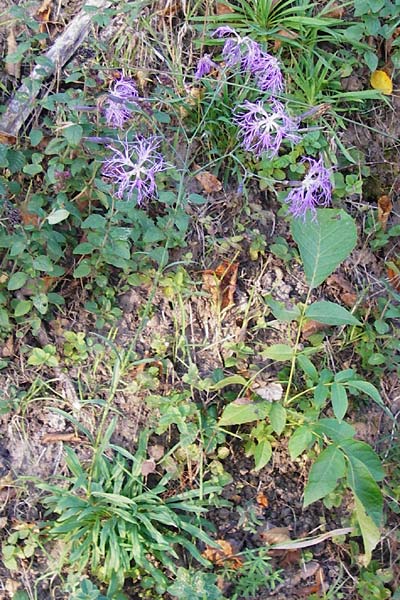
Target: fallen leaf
(148, 467)
(223, 9)
(52, 438)
(209, 182)
(221, 283)
(262, 499)
(43, 12)
(223, 556)
(342, 289)
(274, 535)
(384, 209)
(8, 347)
(7, 138)
(381, 82)
(335, 11)
(310, 327)
(284, 33)
(271, 392)
(393, 273)
(14, 68)
(156, 451)
(28, 218)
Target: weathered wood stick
(22, 104)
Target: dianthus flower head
(268, 74)
(116, 111)
(315, 190)
(133, 168)
(263, 127)
(223, 31)
(204, 66)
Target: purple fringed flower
(315, 190)
(224, 30)
(264, 130)
(133, 168)
(268, 74)
(204, 66)
(116, 111)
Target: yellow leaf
(381, 81)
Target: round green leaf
(17, 281)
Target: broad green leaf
(367, 388)
(369, 531)
(35, 136)
(73, 134)
(22, 307)
(330, 313)
(344, 376)
(41, 303)
(94, 222)
(17, 281)
(280, 311)
(82, 270)
(278, 352)
(365, 488)
(237, 414)
(324, 242)
(321, 393)
(334, 430)
(43, 263)
(57, 216)
(300, 440)
(277, 416)
(366, 455)
(262, 454)
(339, 399)
(324, 474)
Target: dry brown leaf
(209, 182)
(221, 283)
(7, 138)
(271, 392)
(44, 11)
(384, 209)
(224, 555)
(275, 535)
(223, 9)
(336, 11)
(285, 33)
(310, 327)
(262, 499)
(148, 467)
(28, 218)
(13, 69)
(156, 451)
(342, 289)
(52, 438)
(8, 347)
(393, 274)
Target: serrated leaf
(299, 441)
(369, 531)
(324, 474)
(365, 488)
(339, 399)
(324, 243)
(262, 454)
(330, 313)
(237, 414)
(277, 416)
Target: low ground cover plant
(110, 206)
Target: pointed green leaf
(299, 441)
(339, 399)
(277, 416)
(365, 488)
(280, 311)
(369, 531)
(330, 313)
(262, 454)
(324, 242)
(366, 455)
(278, 352)
(324, 474)
(236, 413)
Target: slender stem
(296, 345)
